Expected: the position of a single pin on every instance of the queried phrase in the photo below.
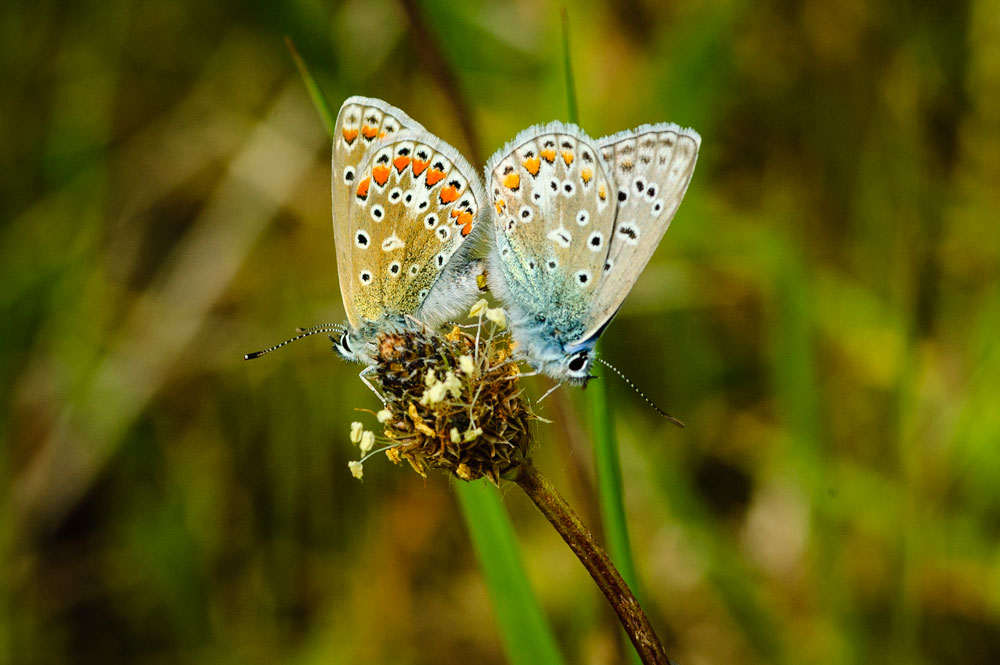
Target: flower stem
(594, 559)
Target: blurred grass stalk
(527, 637)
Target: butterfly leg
(547, 393)
(362, 375)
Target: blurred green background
(823, 314)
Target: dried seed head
(452, 405)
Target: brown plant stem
(594, 559)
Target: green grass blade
(609, 482)
(526, 635)
(606, 457)
(319, 99)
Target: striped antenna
(305, 332)
(641, 394)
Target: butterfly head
(564, 364)
(354, 347)
(575, 367)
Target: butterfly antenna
(326, 327)
(641, 394)
(307, 333)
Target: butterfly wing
(551, 192)
(650, 169)
(363, 123)
(412, 211)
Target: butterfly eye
(345, 343)
(577, 363)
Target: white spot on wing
(391, 243)
(560, 236)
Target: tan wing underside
(362, 125)
(414, 207)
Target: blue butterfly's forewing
(553, 217)
(575, 222)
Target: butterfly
(405, 210)
(574, 223)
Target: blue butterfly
(574, 223)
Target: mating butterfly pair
(570, 224)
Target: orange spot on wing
(532, 164)
(601, 193)
(363, 188)
(512, 181)
(381, 134)
(434, 176)
(401, 163)
(567, 157)
(448, 194)
(350, 135)
(548, 155)
(465, 219)
(369, 132)
(419, 166)
(501, 206)
(380, 174)
(456, 212)
(586, 175)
